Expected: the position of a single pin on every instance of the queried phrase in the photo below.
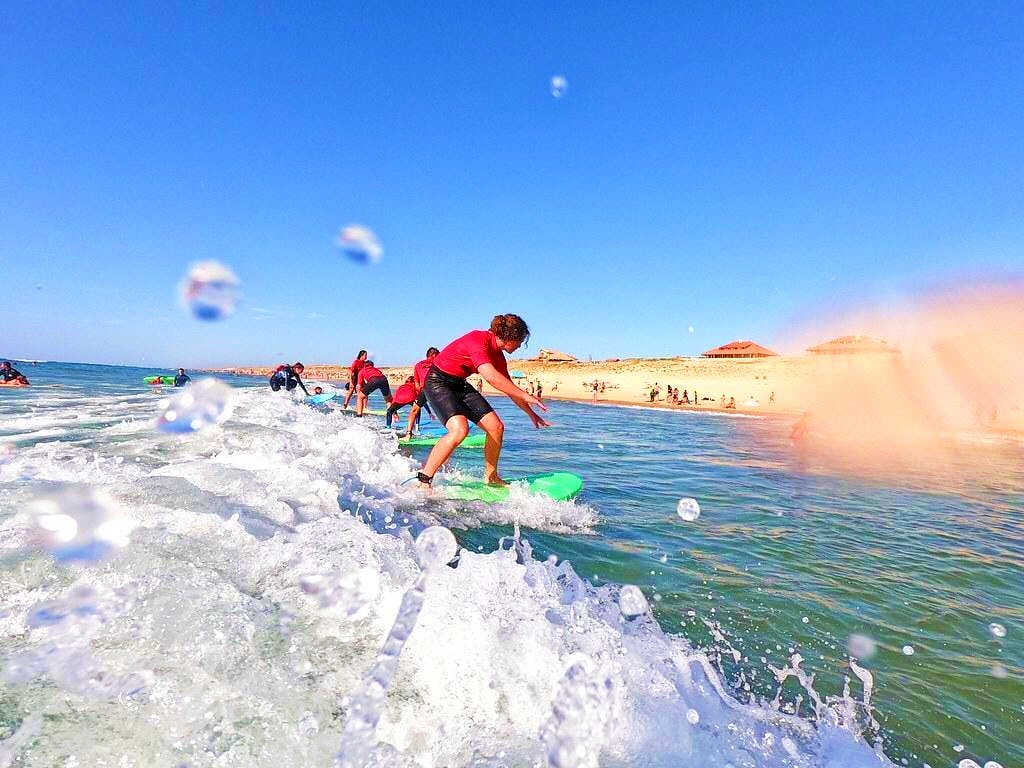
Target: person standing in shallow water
(353, 376)
(455, 402)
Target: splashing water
(861, 646)
(360, 244)
(201, 404)
(632, 601)
(559, 86)
(580, 714)
(210, 291)
(435, 546)
(688, 509)
(80, 524)
(997, 630)
(353, 593)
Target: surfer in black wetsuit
(289, 377)
(11, 374)
(181, 379)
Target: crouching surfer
(455, 402)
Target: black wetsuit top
(11, 374)
(291, 379)
(181, 381)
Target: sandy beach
(629, 382)
(880, 394)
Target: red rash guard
(357, 364)
(366, 373)
(405, 394)
(420, 371)
(464, 356)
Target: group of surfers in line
(440, 383)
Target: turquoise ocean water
(209, 613)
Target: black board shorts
(421, 398)
(377, 383)
(451, 396)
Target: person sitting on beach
(10, 374)
(353, 376)
(732, 403)
(456, 403)
(675, 397)
(370, 380)
(181, 379)
(419, 375)
(404, 395)
(289, 377)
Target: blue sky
(730, 167)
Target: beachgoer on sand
(456, 403)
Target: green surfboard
(559, 486)
(159, 379)
(471, 441)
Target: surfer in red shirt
(419, 374)
(404, 395)
(369, 380)
(353, 376)
(455, 402)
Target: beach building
(554, 356)
(853, 345)
(740, 348)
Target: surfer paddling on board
(455, 402)
(419, 375)
(353, 376)
(10, 374)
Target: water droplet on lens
(210, 291)
(360, 244)
(997, 630)
(688, 509)
(861, 646)
(435, 547)
(559, 85)
(201, 404)
(692, 716)
(690, 329)
(805, 620)
(80, 524)
(1000, 672)
(632, 601)
(908, 650)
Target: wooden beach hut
(741, 348)
(853, 345)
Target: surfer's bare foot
(494, 480)
(426, 487)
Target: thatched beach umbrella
(740, 349)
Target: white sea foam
(206, 642)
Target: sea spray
(435, 546)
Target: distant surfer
(353, 376)
(419, 375)
(371, 379)
(10, 374)
(289, 377)
(181, 379)
(456, 402)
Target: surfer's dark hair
(362, 353)
(298, 365)
(510, 328)
(433, 351)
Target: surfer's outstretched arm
(523, 399)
